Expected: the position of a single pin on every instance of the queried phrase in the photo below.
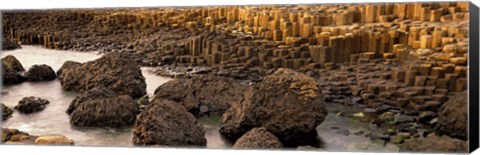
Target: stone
(258, 138)
(403, 119)
(40, 73)
(55, 139)
(426, 116)
(434, 144)
(6, 112)
(31, 104)
(167, 123)
(114, 71)
(118, 111)
(202, 95)
(400, 138)
(452, 117)
(92, 94)
(286, 103)
(8, 44)
(11, 69)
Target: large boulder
(8, 44)
(11, 64)
(114, 71)
(92, 94)
(6, 112)
(167, 123)
(258, 138)
(31, 104)
(452, 117)
(117, 111)
(40, 73)
(202, 94)
(434, 144)
(286, 103)
(11, 70)
(55, 139)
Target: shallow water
(54, 120)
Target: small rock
(404, 119)
(400, 137)
(358, 133)
(31, 104)
(53, 140)
(40, 73)
(6, 112)
(258, 138)
(344, 132)
(426, 116)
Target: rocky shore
(268, 70)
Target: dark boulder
(202, 94)
(8, 44)
(118, 111)
(114, 71)
(452, 117)
(434, 144)
(167, 123)
(6, 112)
(31, 104)
(40, 73)
(95, 93)
(11, 69)
(11, 64)
(286, 103)
(258, 138)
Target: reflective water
(53, 119)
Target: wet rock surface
(258, 138)
(167, 123)
(101, 107)
(40, 73)
(435, 144)
(452, 118)
(114, 71)
(202, 94)
(286, 103)
(31, 104)
(6, 112)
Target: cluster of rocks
(14, 136)
(14, 73)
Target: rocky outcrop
(202, 94)
(40, 73)
(11, 70)
(94, 110)
(434, 144)
(8, 44)
(286, 103)
(167, 123)
(31, 104)
(55, 139)
(258, 138)
(452, 117)
(6, 112)
(114, 71)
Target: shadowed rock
(6, 112)
(258, 138)
(113, 71)
(201, 95)
(40, 73)
(434, 144)
(167, 123)
(31, 104)
(118, 111)
(452, 117)
(8, 44)
(11, 69)
(286, 103)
